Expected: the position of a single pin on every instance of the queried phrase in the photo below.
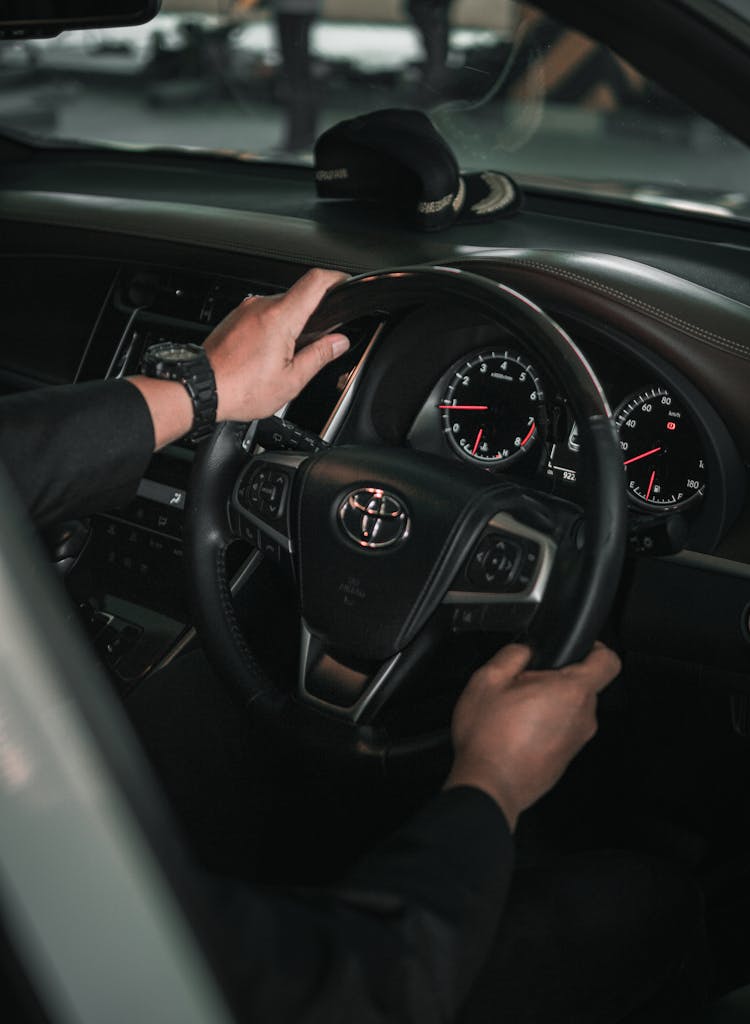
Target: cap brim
(487, 196)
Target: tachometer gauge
(492, 408)
(661, 450)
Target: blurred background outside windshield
(511, 89)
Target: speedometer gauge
(492, 407)
(661, 450)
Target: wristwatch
(189, 365)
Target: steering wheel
(391, 547)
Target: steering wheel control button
(252, 492)
(491, 618)
(496, 562)
(506, 573)
(500, 563)
(467, 617)
(268, 547)
(373, 518)
(271, 495)
(277, 434)
(528, 565)
(264, 493)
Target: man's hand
(515, 731)
(254, 359)
(252, 351)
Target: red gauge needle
(644, 455)
(532, 428)
(476, 443)
(650, 485)
(477, 408)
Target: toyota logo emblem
(373, 518)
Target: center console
(138, 553)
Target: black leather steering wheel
(389, 546)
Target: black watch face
(177, 354)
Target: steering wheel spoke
(260, 503)
(504, 579)
(353, 688)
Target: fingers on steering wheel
(600, 667)
(306, 294)
(505, 666)
(314, 357)
(594, 673)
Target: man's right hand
(516, 731)
(253, 353)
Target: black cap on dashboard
(399, 159)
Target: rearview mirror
(24, 19)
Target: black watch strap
(188, 365)
(201, 386)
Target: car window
(737, 7)
(510, 88)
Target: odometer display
(661, 450)
(492, 407)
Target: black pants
(597, 938)
(591, 938)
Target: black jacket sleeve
(399, 942)
(76, 449)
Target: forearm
(477, 774)
(169, 406)
(77, 449)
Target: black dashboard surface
(706, 251)
(655, 300)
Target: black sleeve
(76, 449)
(400, 941)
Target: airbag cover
(371, 601)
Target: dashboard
(494, 408)
(671, 351)
(494, 412)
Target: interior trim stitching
(259, 681)
(701, 334)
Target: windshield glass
(511, 90)
(737, 7)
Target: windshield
(737, 7)
(511, 89)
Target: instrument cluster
(493, 408)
